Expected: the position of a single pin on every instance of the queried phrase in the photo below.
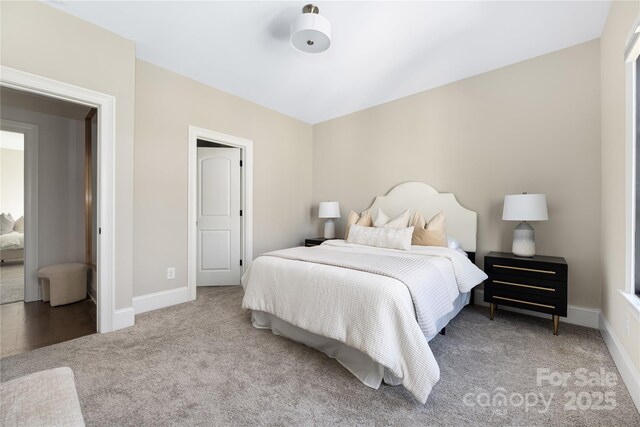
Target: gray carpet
(11, 282)
(201, 363)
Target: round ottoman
(63, 283)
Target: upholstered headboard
(461, 223)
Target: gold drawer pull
(525, 302)
(524, 286)
(524, 269)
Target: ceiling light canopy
(311, 32)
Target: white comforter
(12, 240)
(370, 312)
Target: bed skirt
(358, 363)
(11, 254)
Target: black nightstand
(538, 284)
(315, 241)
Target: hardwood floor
(27, 326)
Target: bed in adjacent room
(12, 246)
(373, 307)
(11, 238)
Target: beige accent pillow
(19, 225)
(364, 220)
(432, 233)
(383, 221)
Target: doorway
(12, 223)
(15, 249)
(53, 132)
(219, 215)
(220, 246)
(104, 199)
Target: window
(636, 143)
(632, 59)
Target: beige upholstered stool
(63, 283)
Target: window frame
(631, 56)
(635, 146)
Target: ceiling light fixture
(311, 32)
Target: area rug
(11, 282)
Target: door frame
(30, 202)
(106, 209)
(246, 198)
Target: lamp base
(329, 229)
(524, 244)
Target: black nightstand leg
(556, 323)
(492, 309)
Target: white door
(218, 259)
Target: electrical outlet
(171, 273)
(626, 324)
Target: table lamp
(329, 210)
(524, 207)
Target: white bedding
(12, 240)
(370, 373)
(370, 312)
(430, 302)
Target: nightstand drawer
(515, 298)
(531, 269)
(528, 285)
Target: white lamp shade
(311, 33)
(525, 207)
(329, 210)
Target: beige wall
(42, 40)
(533, 126)
(166, 104)
(613, 79)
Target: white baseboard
(582, 316)
(156, 300)
(628, 372)
(123, 318)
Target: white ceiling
(380, 50)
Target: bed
(372, 309)
(12, 246)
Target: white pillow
(453, 243)
(383, 221)
(19, 225)
(6, 223)
(390, 238)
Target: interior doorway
(219, 215)
(109, 318)
(12, 223)
(220, 207)
(56, 146)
